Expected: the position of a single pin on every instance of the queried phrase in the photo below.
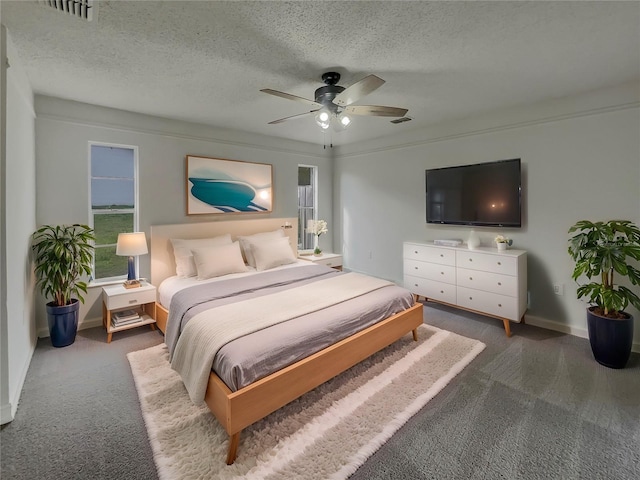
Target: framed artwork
(216, 185)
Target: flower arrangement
(317, 227)
(503, 242)
(503, 239)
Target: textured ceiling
(206, 61)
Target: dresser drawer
(489, 303)
(506, 265)
(426, 253)
(432, 271)
(137, 296)
(487, 281)
(442, 292)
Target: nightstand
(139, 303)
(333, 260)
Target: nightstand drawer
(128, 298)
(333, 261)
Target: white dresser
(482, 280)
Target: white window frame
(315, 176)
(136, 207)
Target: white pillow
(247, 241)
(185, 267)
(219, 260)
(272, 253)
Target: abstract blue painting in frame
(221, 186)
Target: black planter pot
(63, 323)
(611, 339)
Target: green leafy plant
(604, 250)
(62, 255)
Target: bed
(239, 401)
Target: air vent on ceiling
(78, 8)
(400, 120)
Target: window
(113, 205)
(307, 203)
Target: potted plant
(604, 251)
(502, 242)
(63, 254)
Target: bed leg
(234, 440)
(415, 334)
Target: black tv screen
(484, 194)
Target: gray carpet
(533, 406)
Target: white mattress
(172, 285)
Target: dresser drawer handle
(441, 291)
(470, 278)
(415, 268)
(500, 305)
(441, 255)
(470, 298)
(471, 259)
(132, 301)
(499, 263)
(415, 251)
(441, 273)
(499, 284)
(415, 284)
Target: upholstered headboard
(162, 261)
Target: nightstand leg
(109, 337)
(153, 326)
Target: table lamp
(131, 245)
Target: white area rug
(325, 434)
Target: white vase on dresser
(483, 280)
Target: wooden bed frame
(237, 410)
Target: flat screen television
(484, 194)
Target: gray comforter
(249, 358)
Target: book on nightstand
(125, 322)
(125, 315)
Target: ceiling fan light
(323, 119)
(345, 121)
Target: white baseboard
(87, 323)
(563, 328)
(6, 414)
(8, 411)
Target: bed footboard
(237, 410)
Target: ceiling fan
(333, 103)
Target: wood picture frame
(222, 186)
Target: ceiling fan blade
(358, 90)
(291, 97)
(292, 117)
(376, 111)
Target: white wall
(581, 160)
(19, 223)
(64, 128)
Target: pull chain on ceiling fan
(333, 103)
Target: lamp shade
(131, 244)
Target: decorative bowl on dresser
(484, 280)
